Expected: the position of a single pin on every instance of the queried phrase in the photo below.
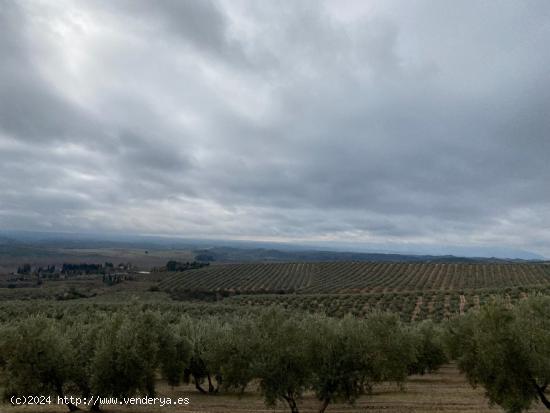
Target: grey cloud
(200, 22)
(392, 123)
(30, 108)
(202, 25)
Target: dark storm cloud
(383, 123)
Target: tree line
(120, 353)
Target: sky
(399, 124)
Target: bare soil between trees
(444, 391)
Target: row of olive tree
(506, 350)
(108, 355)
(120, 354)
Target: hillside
(414, 290)
(357, 277)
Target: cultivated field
(358, 277)
(80, 309)
(415, 290)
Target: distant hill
(18, 244)
(235, 255)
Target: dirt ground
(444, 391)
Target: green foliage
(180, 266)
(232, 353)
(119, 350)
(126, 356)
(175, 352)
(506, 350)
(83, 335)
(203, 337)
(36, 357)
(430, 348)
(281, 364)
(394, 347)
(340, 354)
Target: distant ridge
(234, 255)
(232, 251)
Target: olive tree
(126, 356)
(202, 336)
(231, 353)
(348, 356)
(175, 352)
(507, 351)
(37, 357)
(339, 359)
(83, 333)
(430, 348)
(281, 364)
(393, 348)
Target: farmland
(197, 318)
(414, 290)
(358, 277)
(231, 359)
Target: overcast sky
(377, 122)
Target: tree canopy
(506, 350)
